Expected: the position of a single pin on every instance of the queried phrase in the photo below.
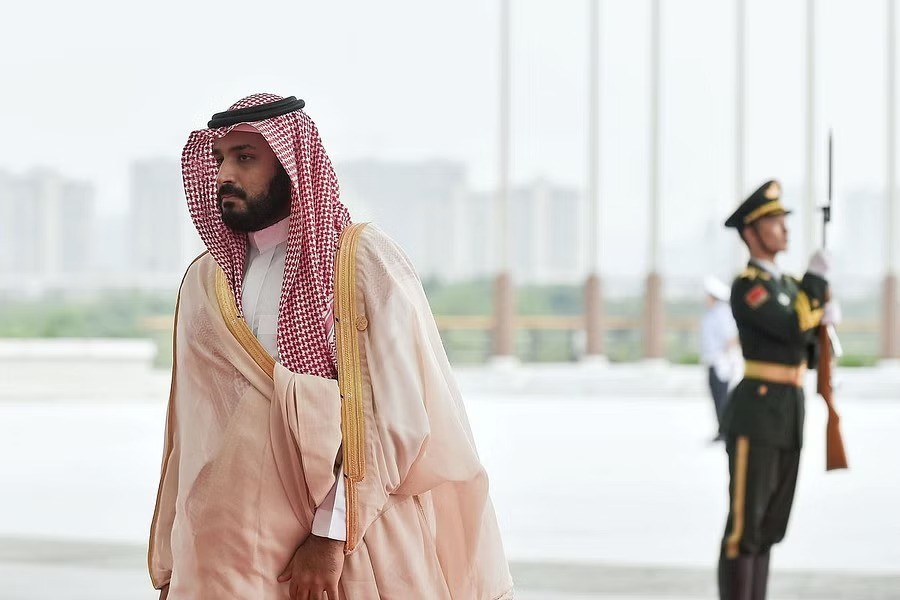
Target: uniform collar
(767, 266)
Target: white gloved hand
(820, 263)
(833, 314)
(723, 367)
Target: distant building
(424, 206)
(548, 234)
(162, 240)
(859, 234)
(9, 259)
(449, 231)
(46, 225)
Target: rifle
(829, 348)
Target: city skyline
(407, 89)
(432, 211)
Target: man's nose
(224, 175)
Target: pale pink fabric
(248, 459)
(246, 128)
(271, 236)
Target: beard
(259, 211)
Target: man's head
(760, 221)
(766, 236)
(234, 183)
(253, 190)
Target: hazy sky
(89, 86)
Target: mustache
(229, 189)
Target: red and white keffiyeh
(305, 321)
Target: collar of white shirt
(271, 236)
(766, 265)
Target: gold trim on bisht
(348, 324)
(238, 326)
(742, 453)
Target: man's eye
(244, 157)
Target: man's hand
(820, 263)
(164, 592)
(315, 568)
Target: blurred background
(559, 173)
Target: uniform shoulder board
(750, 272)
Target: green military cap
(764, 202)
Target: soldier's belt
(775, 373)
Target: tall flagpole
(653, 309)
(740, 78)
(890, 343)
(593, 290)
(810, 211)
(504, 301)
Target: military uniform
(777, 318)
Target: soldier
(719, 346)
(777, 317)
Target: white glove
(820, 263)
(833, 314)
(729, 365)
(723, 367)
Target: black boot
(760, 576)
(736, 577)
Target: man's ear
(745, 234)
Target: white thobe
(260, 297)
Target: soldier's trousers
(763, 480)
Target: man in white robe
(316, 443)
